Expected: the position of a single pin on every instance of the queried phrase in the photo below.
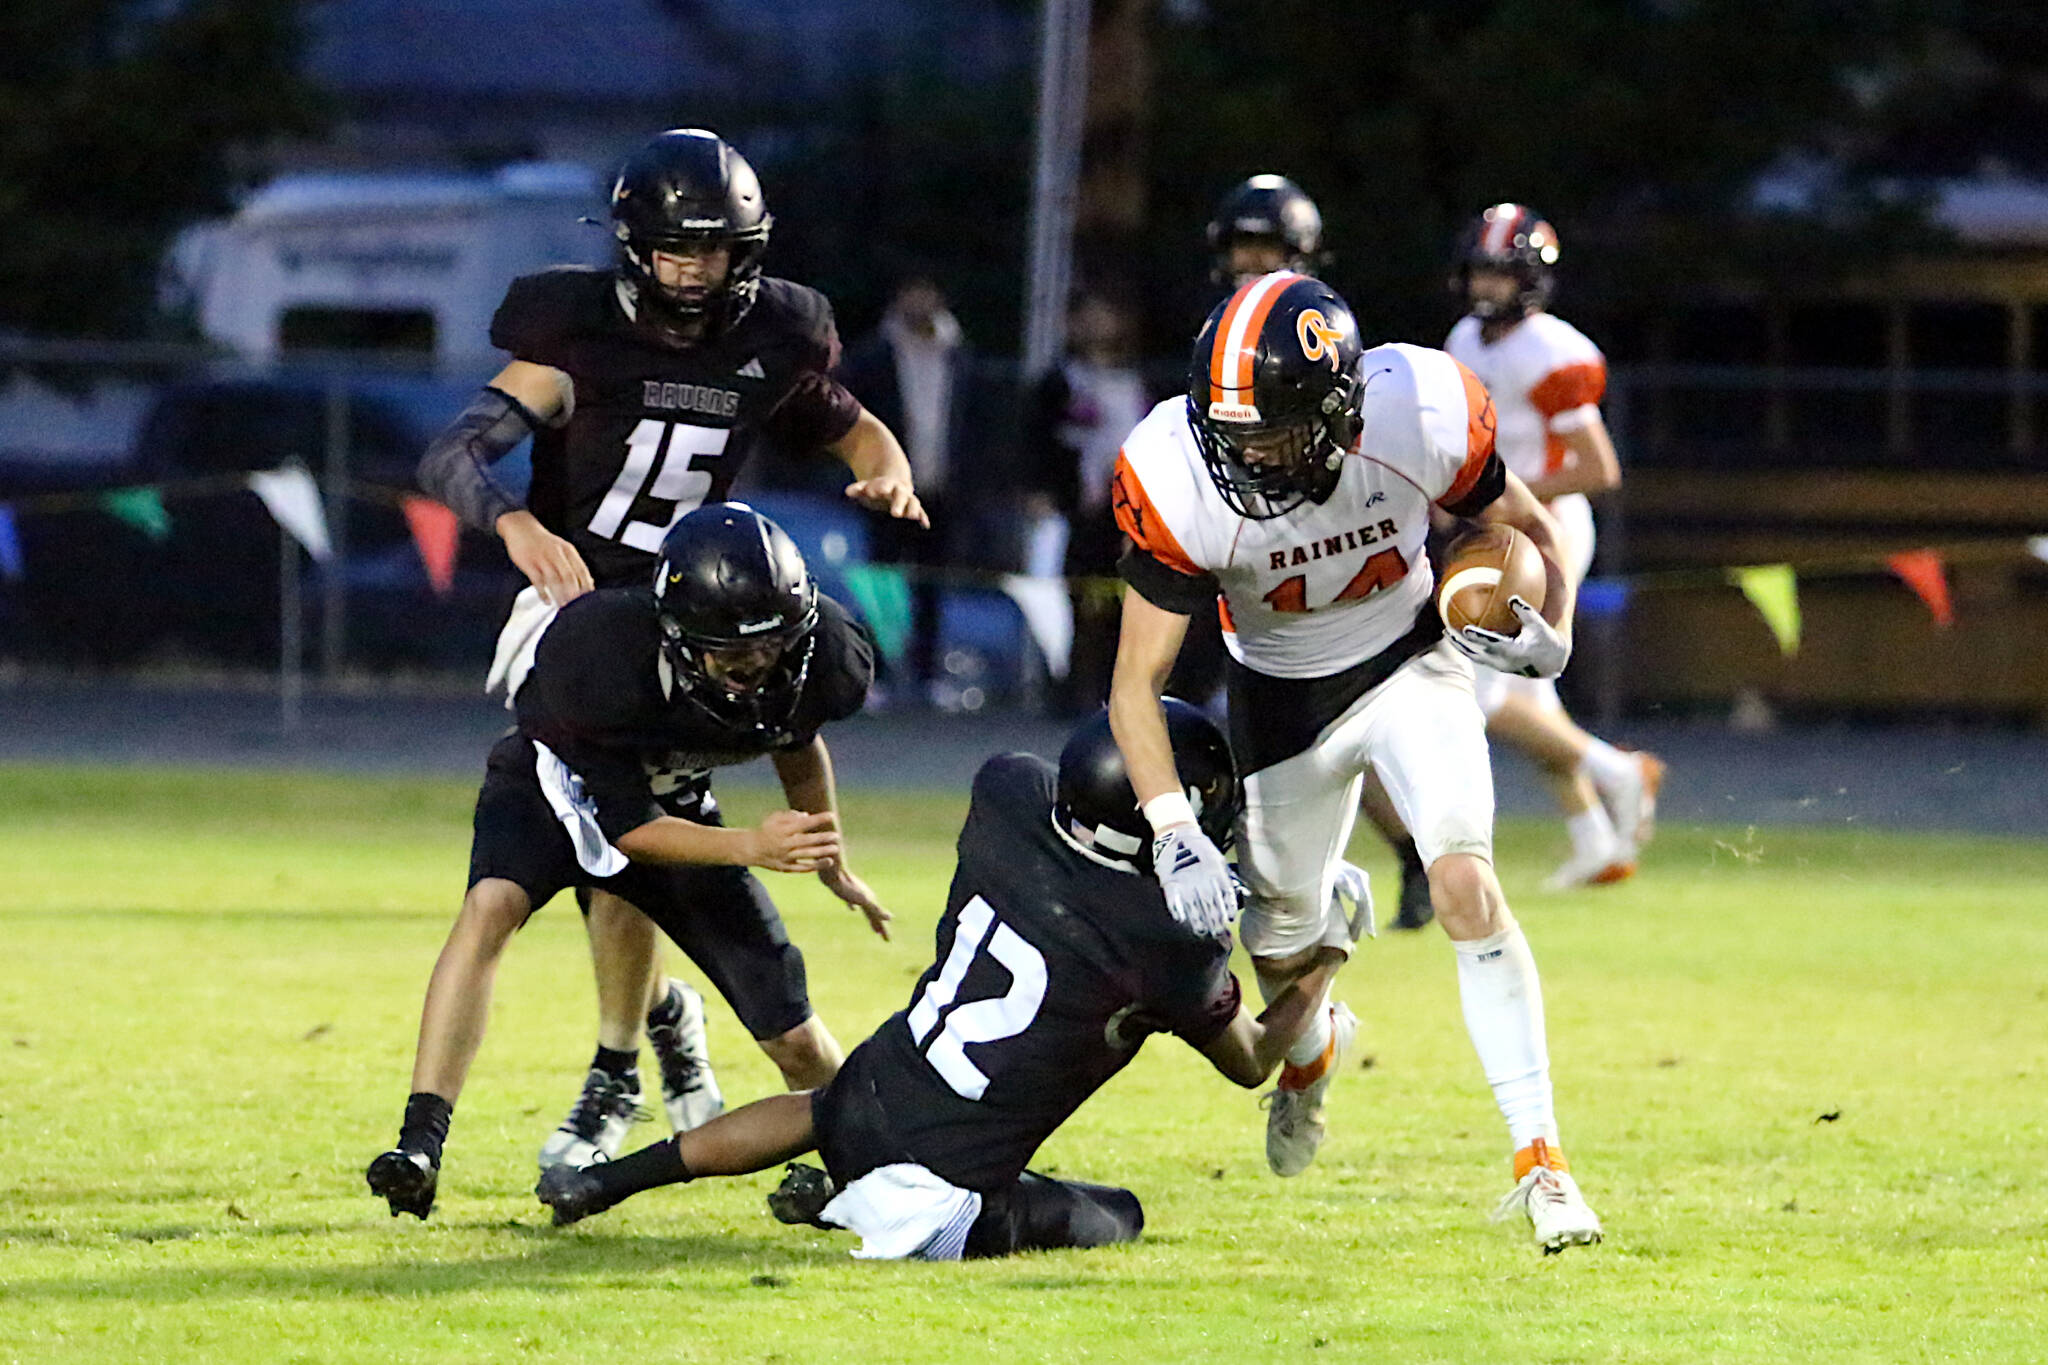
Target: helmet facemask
(1516, 242)
(694, 310)
(751, 683)
(1267, 468)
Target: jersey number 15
(678, 487)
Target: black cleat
(1416, 910)
(802, 1196)
(405, 1180)
(574, 1194)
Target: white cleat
(1599, 867)
(689, 1089)
(596, 1127)
(1558, 1214)
(1294, 1118)
(1632, 802)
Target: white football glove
(1200, 892)
(1538, 650)
(1352, 885)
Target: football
(1484, 570)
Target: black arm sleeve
(1492, 482)
(456, 469)
(1166, 587)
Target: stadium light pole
(1055, 179)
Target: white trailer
(382, 261)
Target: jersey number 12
(979, 1021)
(677, 485)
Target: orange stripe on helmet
(1236, 345)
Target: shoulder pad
(585, 667)
(541, 309)
(844, 668)
(796, 314)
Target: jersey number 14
(1383, 570)
(978, 1021)
(677, 487)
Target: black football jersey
(601, 697)
(1051, 970)
(659, 429)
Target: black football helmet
(738, 610)
(1273, 393)
(1096, 808)
(688, 188)
(1514, 239)
(1270, 208)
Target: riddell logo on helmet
(1319, 340)
(1233, 412)
(756, 627)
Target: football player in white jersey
(1546, 379)
(1290, 490)
(1267, 223)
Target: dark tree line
(119, 123)
(1640, 126)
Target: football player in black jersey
(645, 388)
(632, 698)
(1055, 959)
(1265, 223)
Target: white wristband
(1164, 812)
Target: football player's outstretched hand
(796, 841)
(1200, 891)
(1538, 650)
(856, 893)
(891, 495)
(549, 562)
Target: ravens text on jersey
(654, 428)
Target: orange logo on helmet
(1318, 338)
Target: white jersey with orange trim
(1546, 379)
(1327, 585)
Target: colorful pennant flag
(437, 535)
(883, 595)
(12, 566)
(1773, 589)
(1048, 615)
(1921, 570)
(294, 500)
(142, 508)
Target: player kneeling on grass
(1056, 957)
(631, 699)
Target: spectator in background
(912, 373)
(1077, 416)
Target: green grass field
(211, 984)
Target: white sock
(1315, 1037)
(1607, 765)
(1503, 1002)
(1592, 832)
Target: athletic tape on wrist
(1164, 812)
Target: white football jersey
(1546, 379)
(1330, 584)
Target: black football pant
(1039, 1213)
